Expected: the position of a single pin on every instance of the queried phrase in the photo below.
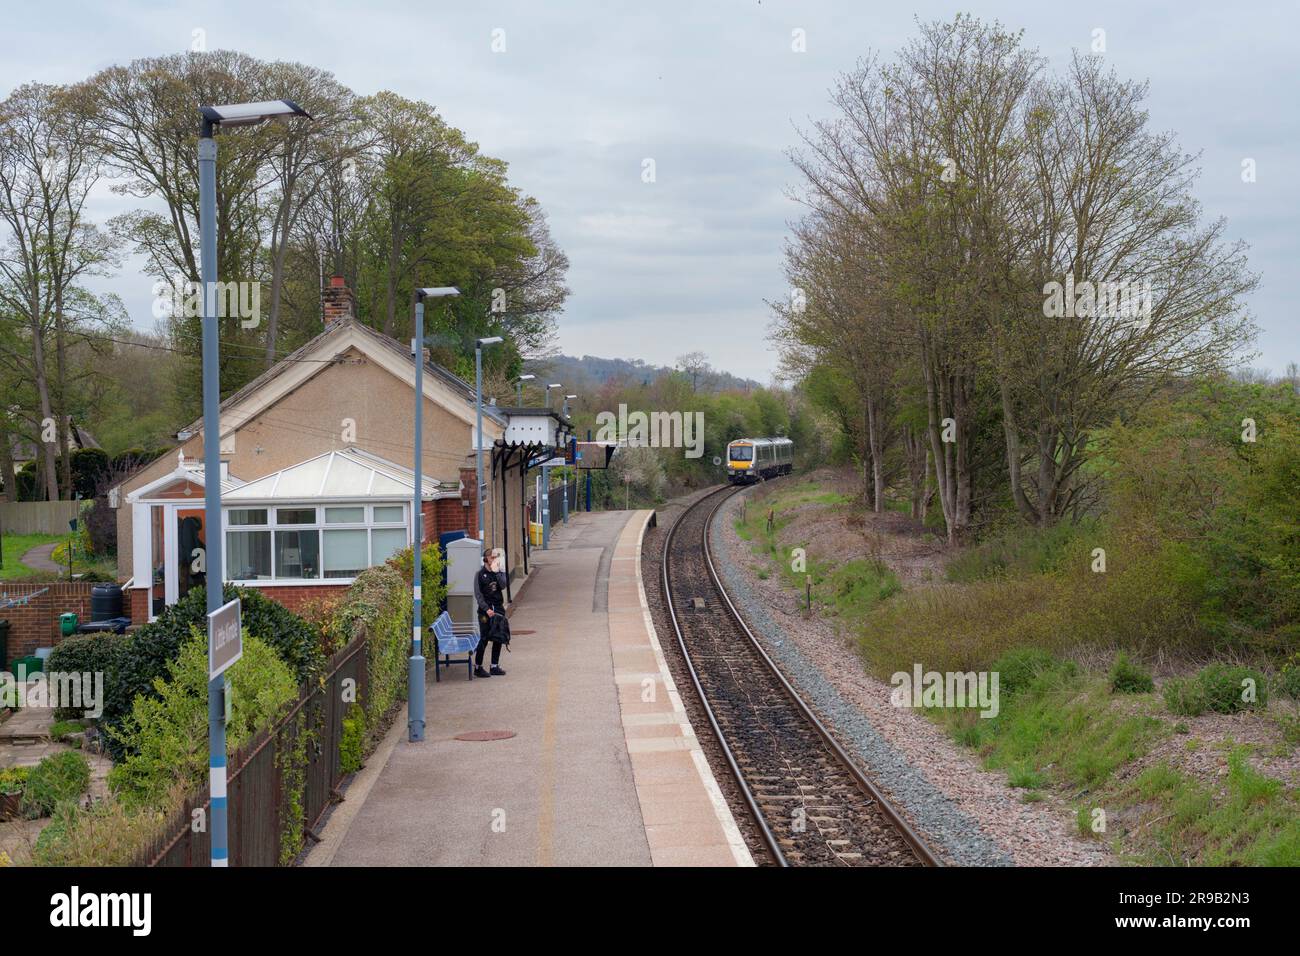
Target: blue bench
(448, 639)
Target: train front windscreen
(742, 453)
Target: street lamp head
(438, 292)
(556, 385)
(527, 378)
(491, 340)
(250, 114)
(570, 396)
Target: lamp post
(235, 114)
(415, 666)
(519, 386)
(478, 429)
(546, 484)
(565, 411)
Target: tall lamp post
(546, 484)
(519, 386)
(565, 410)
(235, 114)
(478, 429)
(415, 666)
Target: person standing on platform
(489, 595)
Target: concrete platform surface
(603, 768)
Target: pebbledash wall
(36, 623)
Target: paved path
(38, 558)
(573, 786)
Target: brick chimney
(337, 301)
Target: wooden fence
(288, 769)
(38, 517)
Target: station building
(317, 473)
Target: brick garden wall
(295, 596)
(36, 623)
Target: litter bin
(68, 623)
(4, 645)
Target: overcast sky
(713, 93)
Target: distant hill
(591, 371)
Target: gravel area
(969, 815)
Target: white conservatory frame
(349, 478)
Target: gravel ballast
(969, 815)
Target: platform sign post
(225, 646)
(225, 638)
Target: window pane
(248, 555)
(297, 554)
(345, 553)
(385, 542)
(386, 513)
(295, 515)
(246, 516)
(355, 515)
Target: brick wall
(446, 514)
(36, 623)
(295, 596)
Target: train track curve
(809, 799)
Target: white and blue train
(757, 459)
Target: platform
(603, 767)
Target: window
(742, 453)
(345, 553)
(297, 554)
(385, 542)
(306, 544)
(248, 555)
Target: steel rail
(918, 845)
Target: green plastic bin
(68, 623)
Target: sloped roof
(348, 475)
(463, 389)
(191, 471)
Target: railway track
(809, 799)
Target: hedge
(143, 656)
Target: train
(757, 459)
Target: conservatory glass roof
(347, 475)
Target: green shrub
(1015, 550)
(432, 589)
(378, 606)
(1220, 688)
(1129, 678)
(14, 779)
(51, 835)
(1018, 669)
(353, 740)
(61, 730)
(86, 654)
(165, 738)
(1185, 697)
(147, 652)
(1288, 681)
(58, 778)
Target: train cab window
(742, 453)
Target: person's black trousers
(483, 641)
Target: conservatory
(319, 522)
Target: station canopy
(347, 475)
